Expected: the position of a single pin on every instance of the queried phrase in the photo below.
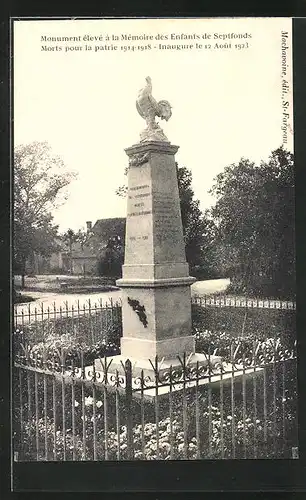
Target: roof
(101, 232)
(108, 228)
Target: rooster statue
(149, 108)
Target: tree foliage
(73, 239)
(69, 238)
(255, 217)
(39, 181)
(198, 228)
(111, 260)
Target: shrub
(19, 298)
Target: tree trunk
(70, 256)
(23, 272)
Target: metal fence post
(129, 416)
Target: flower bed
(248, 346)
(88, 325)
(165, 441)
(66, 349)
(250, 424)
(238, 321)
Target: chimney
(89, 225)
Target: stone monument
(156, 297)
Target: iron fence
(238, 316)
(239, 301)
(89, 323)
(242, 405)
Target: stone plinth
(140, 365)
(156, 300)
(238, 375)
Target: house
(85, 256)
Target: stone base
(149, 393)
(155, 283)
(139, 365)
(148, 349)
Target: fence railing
(238, 301)
(243, 316)
(240, 406)
(99, 315)
(87, 322)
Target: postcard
(154, 240)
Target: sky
(227, 101)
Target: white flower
(76, 404)
(163, 434)
(99, 404)
(88, 401)
(166, 446)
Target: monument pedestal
(156, 300)
(156, 318)
(156, 297)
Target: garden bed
(235, 322)
(92, 325)
(79, 431)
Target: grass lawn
(65, 284)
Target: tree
(198, 228)
(255, 217)
(39, 181)
(110, 263)
(70, 237)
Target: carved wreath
(139, 159)
(139, 310)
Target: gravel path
(209, 286)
